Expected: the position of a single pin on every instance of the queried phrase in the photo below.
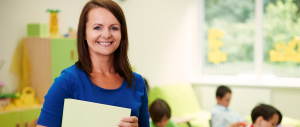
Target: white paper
(79, 113)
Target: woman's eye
(114, 28)
(97, 28)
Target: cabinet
(48, 57)
(19, 117)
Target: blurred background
(252, 46)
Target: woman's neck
(102, 64)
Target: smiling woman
(103, 36)
(103, 73)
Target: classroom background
(252, 46)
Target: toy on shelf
(28, 97)
(4, 97)
(4, 102)
(53, 23)
(71, 33)
(25, 100)
(37, 30)
(9, 104)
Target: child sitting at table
(221, 115)
(160, 114)
(265, 116)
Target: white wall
(287, 100)
(160, 33)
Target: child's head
(160, 112)
(265, 116)
(223, 95)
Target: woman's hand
(129, 122)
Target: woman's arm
(52, 111)
(144, 112)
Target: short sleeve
(52, 111)
(144, 113)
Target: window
(256, 40)
(281, 46)
(229, 37)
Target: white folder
(79, 113)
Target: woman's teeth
(104, 43)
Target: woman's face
(103, 32)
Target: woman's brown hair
(120, 61)
(158, 109)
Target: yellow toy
(53, 23)
(28, 97)
(286, 52)
(26, 100)
(215, 55)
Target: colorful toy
(4, 97)
(53, 23)
(28, 97)
(15, 101)
(71, 33)
(37, 30)
(243, 124)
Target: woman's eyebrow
(97, 24)
(114, 24)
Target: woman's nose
(106, 33)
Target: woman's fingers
(128, 124)
(131, 119)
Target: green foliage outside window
(281, 22)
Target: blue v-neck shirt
(74, 83)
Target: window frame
(257, 79)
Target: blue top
(74, 83)
(222, 116)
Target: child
(221, 115)
(265, 116)
(160, 114)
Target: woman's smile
(105, 43)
